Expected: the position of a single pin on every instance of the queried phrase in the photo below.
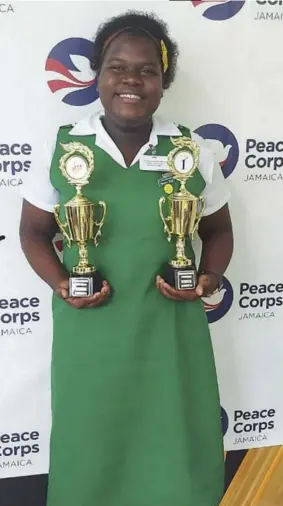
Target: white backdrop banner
(229, 90)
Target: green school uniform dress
(135, 404)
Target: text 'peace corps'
(264, 155)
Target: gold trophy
(185, 212)
(77, 165)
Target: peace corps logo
(69, 62)
(224, 145)
(224, 10)
(219, 303)
(224, 421)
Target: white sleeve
(37, 188)
(216, 192)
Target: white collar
(92, 125)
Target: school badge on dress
(166, 178)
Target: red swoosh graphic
(57, 84)
(55, 66)
(197, 2)
(211, 307)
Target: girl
(136, 413)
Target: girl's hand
(95, 300)
(207, 284)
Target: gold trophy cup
(81, 225)
(185, 212)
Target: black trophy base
(85, 285)
(180, 278)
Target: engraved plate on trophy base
(85, 285)
(181, 278)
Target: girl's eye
(148, 72)
(117, 68)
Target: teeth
(128, 95)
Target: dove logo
(69, 62)
(219, 303)
(222, 10)
(224, 421)
(224, 145)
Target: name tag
(154, 163)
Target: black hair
(137, 23)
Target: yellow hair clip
(164, 54)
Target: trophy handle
(61, 225)
(198, 216)
(165, 219)
(99, 223)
